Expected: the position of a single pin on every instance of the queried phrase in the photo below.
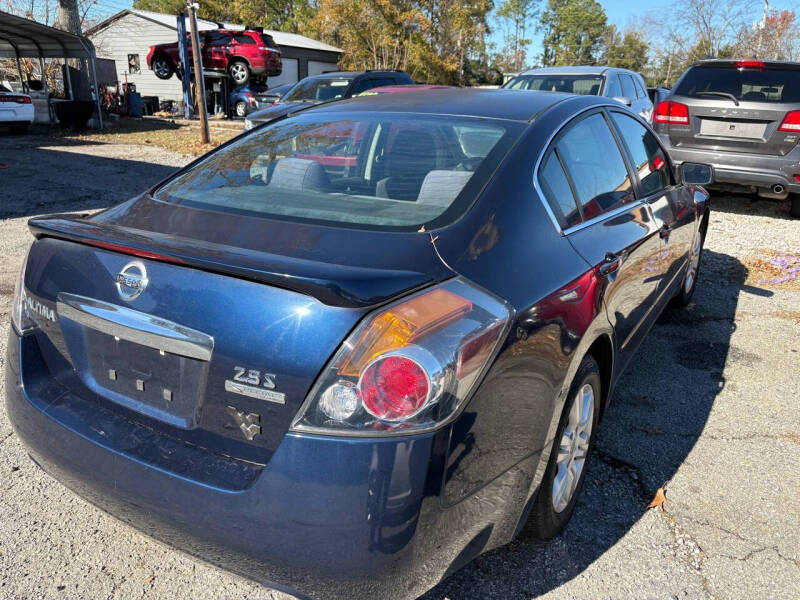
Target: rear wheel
(569, 458)
(163, 67)
(685, 293)
(241, 109)
(794, 209)
(239, 72)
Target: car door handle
(609, 265)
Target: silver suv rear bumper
(758, 170)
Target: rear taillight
(19, 311)
(16, 99)
(749, 64)
(408, 367)
(671, 112)
(791, 122)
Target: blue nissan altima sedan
(352, 349)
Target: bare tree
(714, 23)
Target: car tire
(689, 282)
(240, 109)
(794, 207)
(576, 434)
(162, 67)
(239, 72)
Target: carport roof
(25, 38)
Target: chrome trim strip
(135, 326)
(541, 195)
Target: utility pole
(199, 80)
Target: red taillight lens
(791, 122)
(394, 388)
(797, 177)
(671, 112)
(16, 99)
(749, 64)
(409, 366)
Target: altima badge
(249, 423)
(131, 280)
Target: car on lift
(623, 85)
(241, 54)
(327, 87)
(348, 378)
(254, 96)
(16, 110)
(743, 117)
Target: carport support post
(19, 69)
(90, 60)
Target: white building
(127, 36)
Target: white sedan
(16, 110)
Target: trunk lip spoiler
(336, 285)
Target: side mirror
(697, 174)
(623, 100)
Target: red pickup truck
(241, 54)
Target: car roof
(579, 70)
(731, 62)
(515, 105)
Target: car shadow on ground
(658, 412)
(42, 174)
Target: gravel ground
(707, 411)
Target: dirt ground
(707, 411)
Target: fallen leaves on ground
(150, 580)
(649, 430)
(792, 437)
(658, 500)
(773, 268)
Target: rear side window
(640, 92)
(595, 166)
(372, 170)
(753, 85)
(268, 41)
(648, 157)
(627, 87)
(556, 189)
(244, 39)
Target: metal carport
(23, 38)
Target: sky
(624, 12)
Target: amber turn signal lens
(403, 324)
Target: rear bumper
(758, 170)
(19, 114)
(326, 517)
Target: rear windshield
(268, 41)
(374, 170)
(318, 90)
(753, 85)
(585, 85)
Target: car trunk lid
(214, 344)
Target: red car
(241, 54)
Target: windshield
(318, 90)
(376, 170)
(585, 85)
(754, 85)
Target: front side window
(375, 170)
(586, 85)
(595, 166)
(648, 157)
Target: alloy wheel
(161, 68)
(694, 264)
(573, 449)
(238, 72)
(241, 109)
